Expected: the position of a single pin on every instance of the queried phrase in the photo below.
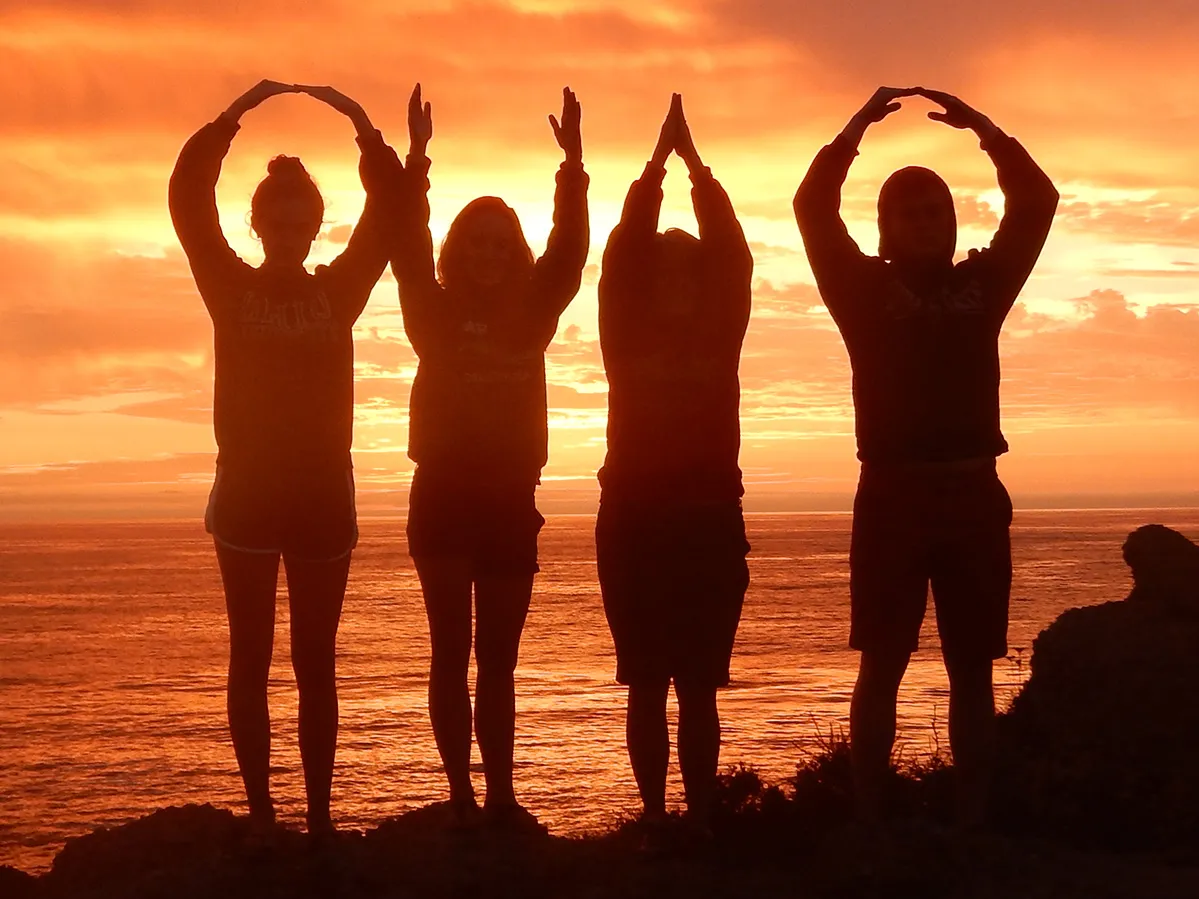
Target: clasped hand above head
(334, 98)
(956, 113)
(675, 137)
(263, 90)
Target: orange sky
(105, 349)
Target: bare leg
(316, 591)
(250, 581)
(872, 728)
(648, 742)
(971, 736)
(502, 605)
(699, 748)
(446, 584)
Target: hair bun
(287, 167)
(287, 180)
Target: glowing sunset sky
(106, 351)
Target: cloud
(101, 95)
(493, 56)
(1110, 363)
(1156, 220)
(878, 35)
(92, 325)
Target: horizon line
(116, 517)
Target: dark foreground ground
(794, 839)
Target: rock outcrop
(1102, 744)
(16, 884)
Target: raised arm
(1030, 199)
(409, 241)
(831, 251)
(559, 271)
(353, 274)
(719, 230)
(629, 251)
(643, 203)
(191, 194)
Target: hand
(339, 101)
(684, 145)
(567, 133)
(878, 107)
(958, 114)
(263, 90)
(420, 123)
(668, 136)
(331, 96)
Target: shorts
(913, 527)
(494, 526)
(673, 581)
(310, 517)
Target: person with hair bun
(480, 322)
(283, 414)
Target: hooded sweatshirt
(284, 356)
(478, 412)
(924, 342)
(673, 391)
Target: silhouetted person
(670, 538)
(922, 335)
(283, 414)
(480, 322)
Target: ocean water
(113, 654)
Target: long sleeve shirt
(284, 354)
(478, 408)
(925, 352)
(673, 391)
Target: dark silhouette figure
(922, 335)
(283, 415)
(480, 323)
(670, 538)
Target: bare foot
(464, 814)
(512, 817)
(321, 829)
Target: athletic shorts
(494, 526)
(913, 527)
(310, 517)
(673, 581)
